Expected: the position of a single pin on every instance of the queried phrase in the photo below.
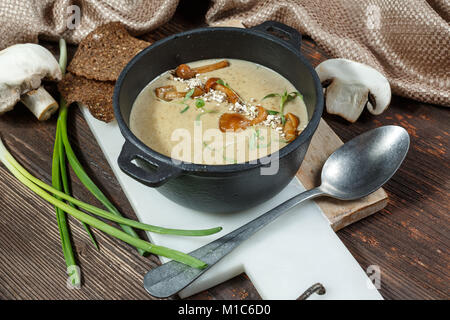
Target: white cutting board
(282, 260)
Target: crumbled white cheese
(214, 95)
(190, 83)
(194, 82)
(273, 121)
(237, 107)
(250, 111)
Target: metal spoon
(356, 169)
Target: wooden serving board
(339, 213)
(324, 142)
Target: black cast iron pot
(217, 188)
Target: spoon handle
(171, 277)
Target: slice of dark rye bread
(104, 52)
(96, 95)
(95, 67)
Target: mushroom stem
(212, 67)
(40, 102)
(185, 72)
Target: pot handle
(152, 177)
(280, 30)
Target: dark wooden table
(409, 239)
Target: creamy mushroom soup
(218, 112)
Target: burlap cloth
(407, 40)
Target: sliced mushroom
(185, 72)
(262, 115)
(23, 66)
(212, 83)
(290, 127)
(350, 86)
(161, 91)
(233, 122)
(232, 97)
(237, 122)
(169, 93)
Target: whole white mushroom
(350, 86)
(22, 67)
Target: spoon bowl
(365, 163)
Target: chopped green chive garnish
(199, 103)
(220, 81)
(203, 113)
(285, 97)
(188, 94)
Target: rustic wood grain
(409, 239)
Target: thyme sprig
(285, 98)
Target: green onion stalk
(17, 170)
(61, 133)
(106, 214)
(58, 175)
(59, 195)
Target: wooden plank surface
(409, 239)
